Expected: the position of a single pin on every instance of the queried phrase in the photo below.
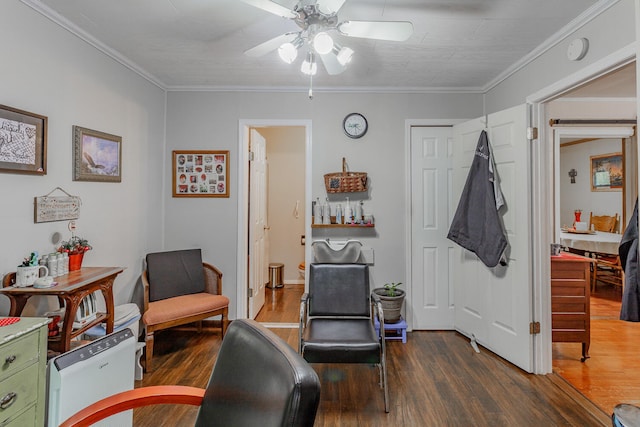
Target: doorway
(298, 131)
(611, 96)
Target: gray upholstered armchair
(179, 289)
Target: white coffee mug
(581, 226)
(26, 276)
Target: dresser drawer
(18, 391)
(27, 418)
(18, 354)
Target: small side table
(399, 327)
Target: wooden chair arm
(9, 280)
(213, 279)
(145, 286)
(130, 399)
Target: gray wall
(48, 71)
(209, 120)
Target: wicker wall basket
(345, 182)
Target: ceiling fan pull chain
(310, 86)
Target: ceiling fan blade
(272, 7)
(398, 31)
(330, 6)
(331, 64)
(269, 45)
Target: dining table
(591, 241)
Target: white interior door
(432, 208)
(258, 236)
(495, 304)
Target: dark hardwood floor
(435, 379)
(612, 374)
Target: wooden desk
(71, 288)
(570, 299)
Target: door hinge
(250, 292)
(251, 156)
(532, 133)
(534, 328)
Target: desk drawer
(18, 354)
(19, 391)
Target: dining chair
(603, 222)
(608, 269)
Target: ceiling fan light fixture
(322, 43)
(309, 66)
(288, 52)
(344, 55)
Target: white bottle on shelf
(317, 212)
(338, 214)
(348, 216)
(326, 212)
(357, 216)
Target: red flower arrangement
(75, 245)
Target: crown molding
(552, 41)
(55, 17)
(326, 89)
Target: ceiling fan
(316, 19)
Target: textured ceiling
(456, 44)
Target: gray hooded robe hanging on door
(477, 225)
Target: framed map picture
(200, 173)
(23, 142)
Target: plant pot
(391, 306)
(75, 261)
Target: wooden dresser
(23, 354)
(570, 293)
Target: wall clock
(355, 125)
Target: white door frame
(407, 232)
(243, 200)
(542, 186)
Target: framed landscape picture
(200, 173)
(97, 156)
(607, 173)
(23, 141)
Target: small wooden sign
(56, 208)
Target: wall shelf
(343, 226)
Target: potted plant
(392, 299)
(75, 247)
